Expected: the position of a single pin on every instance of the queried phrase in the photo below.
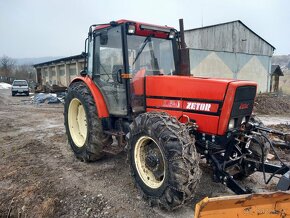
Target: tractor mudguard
(97, 95)
(274, 204)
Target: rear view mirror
(84, 72)
(104, 38)
(84, 54)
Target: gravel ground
(40, 177)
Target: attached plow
(251, 205)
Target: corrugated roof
(70, 58)
(220, 24)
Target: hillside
(282, 60)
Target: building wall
(72, 71)
(60, 73)
(52, 72)
(62, 77)
(46, 75)
(232, 51)
(206, 63)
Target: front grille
(244, 101)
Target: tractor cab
(121, 54)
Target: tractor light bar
(155, 28)
(131, 29)
(171, 34)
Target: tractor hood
(209, 102)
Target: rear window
(20, 83)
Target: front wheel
(163, 160)
(82, 124)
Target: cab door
(108, 67)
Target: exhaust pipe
(184, 62)
(181, 34)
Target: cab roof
(141, 29)
(122, 21)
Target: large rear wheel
(83, 126)
(163, 160)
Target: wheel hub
(152, 161)
(149, 162)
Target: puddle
(272, 120)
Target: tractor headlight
(243, 120)
(231, 124)
(171, 34)
(131, 29)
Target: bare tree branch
(6, 66)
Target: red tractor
(134, 90)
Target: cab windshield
(154, 55)
(147, 56)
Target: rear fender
(97, 95)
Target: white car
(20, 86)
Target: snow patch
(5, 85)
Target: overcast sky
(39, 28)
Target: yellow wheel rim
(149, 162)
(77, 122)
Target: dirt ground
(40, 177)
(273, 104)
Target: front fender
(97, 95)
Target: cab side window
(108, 66)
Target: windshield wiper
(148, 38)
(154, 61)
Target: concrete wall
(62, 78)
(72, 71)
(206, 63)
(59, 73)
(52, 72)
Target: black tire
(13, 93)
(254, 146)
(27, 93)
(181, 162)
(95, 138)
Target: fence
(7, 79)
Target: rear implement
(252, 205)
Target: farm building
(230, 50)
(59, 72)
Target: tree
(25, 71)
(6, 66)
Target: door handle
(119, 76)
